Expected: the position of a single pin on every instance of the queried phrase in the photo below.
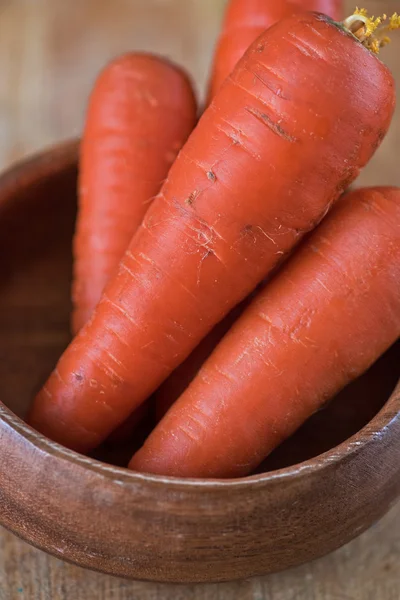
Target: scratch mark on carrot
(227, 376)
(206, 255)
(297, 340)
(321, 283)
(277, 91)
(124, 267)
(200, 424)
(46, 391)
(266, 234)
(147, 259)
(306, 49)
(270, 123)
(57, 374)
(192, 197)
(182, 428)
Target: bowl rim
(62, 156)
(374, 429)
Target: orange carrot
(332, 8)
(179, 380)
(326, 317)
(141, 111)
(127, 429)
(246, 20)
(304, 110)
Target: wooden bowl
(332, 480)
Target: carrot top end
(371, 31)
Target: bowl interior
(36, 228)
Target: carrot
(304, 110)
(332, 8)
(126, 430)
(330, 313)
(140, 113)
(179, 380)
(246, 20)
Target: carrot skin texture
(327, 316)
(141, 111)
(246, 20)
(304, 110)
(180, 379)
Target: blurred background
(52, 50)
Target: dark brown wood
(148, 527)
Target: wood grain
(49, 55)
(367, 569)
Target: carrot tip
(371, 31)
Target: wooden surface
(49, 55)
(367, 569)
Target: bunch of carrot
(180, 290)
